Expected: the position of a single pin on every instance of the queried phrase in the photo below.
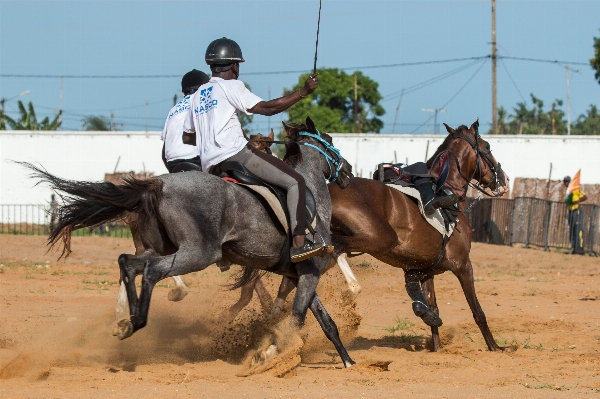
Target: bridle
(479, 155)
(334, 161)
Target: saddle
(238, 173)
(394, 174)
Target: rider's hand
(310, 85)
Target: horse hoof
(426, 314)
(508, 349)
(177, 293)
(123, 329)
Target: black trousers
(172, 164)
(576, 230)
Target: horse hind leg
(419, 304)
(429, 292)
(354, 287)
(246, 294)
(178, 292)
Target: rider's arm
(278, 105)
(189, 138)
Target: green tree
(332, 106)
(595, 62)
(96, 123)
(533, 120)
(28, 120)
(588, 123)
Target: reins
(478, 156)
(334, 162)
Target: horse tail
(248, 275)
(90, 204)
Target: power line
(512, 80)
(402, 64)
(48, 76)
(542, 60)
(454, 96)
(430, 81)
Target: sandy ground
(57, 318)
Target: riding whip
(317, 44)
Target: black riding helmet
(222, 54)
(192, 80)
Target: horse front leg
(465, 277)
(429, 292)
(330, 329)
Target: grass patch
(100, 282)
(527, 345)
(532, 293)
(406, 335)
(500, 340)
(547, 385)
(364, 265)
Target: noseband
(334, 162)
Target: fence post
(528, 224)
(512, 222)
(547, 225)
(592, 229)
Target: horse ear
(449, 129)
(310, 125)
(272, 135)
(289, 130)
(245, 136)
(475, 126)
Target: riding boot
(430, 200)
(304, 248)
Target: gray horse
(189, 221)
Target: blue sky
(170, 37)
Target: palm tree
(96, 123)
(28, 120)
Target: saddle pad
(436, 220)
(272, 201)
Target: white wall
(89, 155)
(72, 155)
(520, 156)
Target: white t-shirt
(173, 130)
(213, 115)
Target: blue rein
(335, 165)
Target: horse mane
(445, 144)
(293, 154)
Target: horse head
(335, 168)
(260, 142)
(474, 159)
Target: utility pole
(494, 88)
(112, 121)
(3, 100)
(434, 111)
(175, 100)
(269, 117)
(568, 103)
(355, 127)
(397, 111)
(146, 116)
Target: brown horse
(372, 218)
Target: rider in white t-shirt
(177, 155)
(213, 116)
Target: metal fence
(531, 221)
(38, 219)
